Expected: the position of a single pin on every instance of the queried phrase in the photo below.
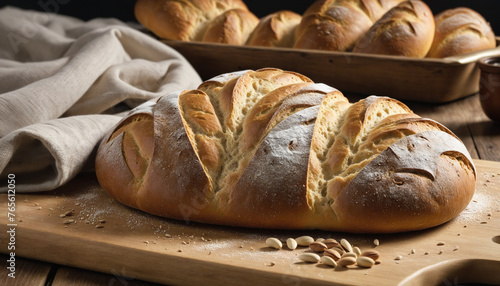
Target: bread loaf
(460, 30)
(406, 30)
(185, 20)
(336, 25)
(272, 149)
(232, 27)
(275, 30)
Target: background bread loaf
(275, 30)
(364, 26)
(185, 20)
(460, 30)
(336, 25)
(405, 30)
(272, 149)
(232, 27)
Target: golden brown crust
(336, 25)
(460, 30)
(231, 27)
(275, 30)
(406, 30)
(394, 180)
(184, 20)
(271, 149)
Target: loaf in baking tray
(460, 30)
(276, 30)
(405, 30)
(272, 149)
(188, 20)
(336, 25)
(231, 27)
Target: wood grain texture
(28, 271)
(79, 277)
(148, 248)
(424, 80)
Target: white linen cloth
(61, 80)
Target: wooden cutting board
(79, 225)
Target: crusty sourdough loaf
(275, 30)
(336, 25)
(187, 20)
(272, 149)
(406, 30)
(460, 30)
(231, 27)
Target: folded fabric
(63, 84)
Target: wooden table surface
(464, 117)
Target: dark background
(123, 9)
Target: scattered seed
(376, 242)
(99, 226)
(346, 245)
(426, 253)
(373, 254)
(365, 262)
(317, 246)
(167, 235)
(356, 250)
(440, 243)
(68, 221)
(330, 242)
(339, 249)
(412, 251)
(241, 246)
(291, 243)
(456, 248)
(349, 254)
(274, 243)
(62, 215)
(346, 261)
(271, 264)
(309, 257)
(304, 240)
(399, 257)
(328, 261)
(332, 253)
(180, 250)
(440, 252)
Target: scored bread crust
(336, 25)
(275, 30)
(405, 30)
(272, 149)
(460, 30)
(231, 27)
(185, 20)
